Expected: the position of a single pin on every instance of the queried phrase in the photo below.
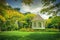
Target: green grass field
(17, 35)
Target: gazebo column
(42, 25)
(37, 24)
(32, 24)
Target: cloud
(34, 8)
(27, 8)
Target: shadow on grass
(38, 36)
(6, 37)
(33, 36)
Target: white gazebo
(38, 22)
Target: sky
(34, 8)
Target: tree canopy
(50, 6)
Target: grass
(17, 35)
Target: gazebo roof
(38, 17)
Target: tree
(2, 21)
(9, 18)
(14, 17)
(29, 18)
(53, 22)
(27, 2)
(18, 9)
(56, 22)
(48, 23)
(50, 6)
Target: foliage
(18, 9)
(53, 22)
(48, 22)
(29, 18)
(50, 6)
(14, 20)
(2, 18)
(56, 22)
(9, 18)
(14, 17)
(39, 30)
(27, 2)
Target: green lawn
(17, 35)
